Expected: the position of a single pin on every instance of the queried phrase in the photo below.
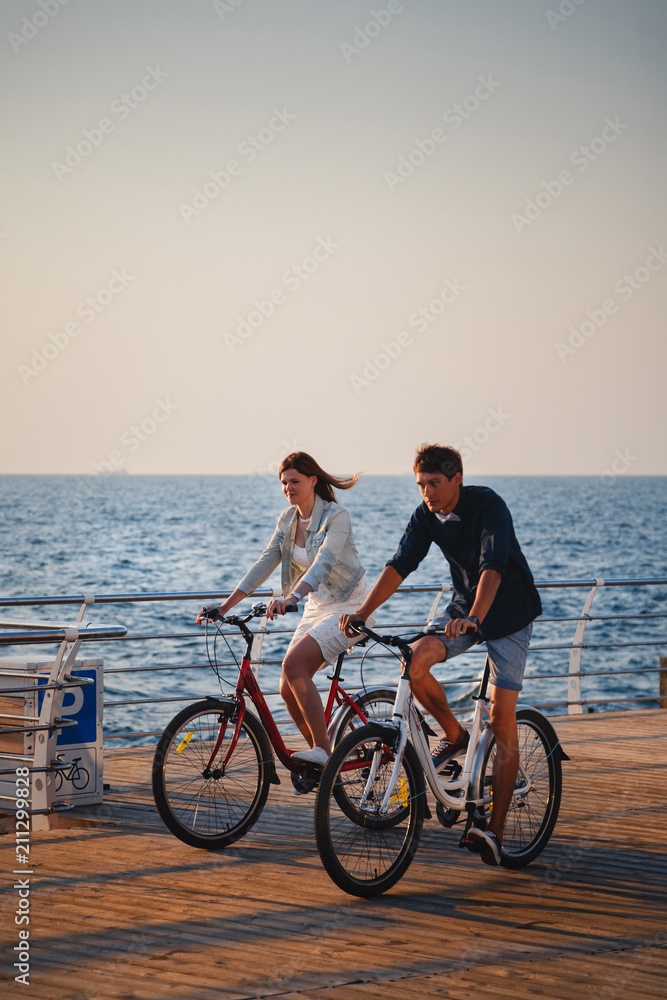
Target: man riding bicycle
(494, 596)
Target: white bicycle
(368, 836)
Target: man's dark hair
(438, 458)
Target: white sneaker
(316, 756)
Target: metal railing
(574, 702)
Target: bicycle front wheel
(532, 815)
(211, 803)
(364, 851)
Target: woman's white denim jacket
(330, 544)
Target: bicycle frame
(456, 793)
(247, 682)
(450, 793)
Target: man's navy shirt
(478, 535)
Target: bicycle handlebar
(387, 640)
(257, 611)
(401, 642)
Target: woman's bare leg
(299, 693)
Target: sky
(230, 229)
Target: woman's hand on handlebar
(225, 607)
(278, 607)
(201, 617)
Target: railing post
(663, 682)
(86, 599)
(436, 602)
(574, 701)
(42, 784)
(259, 638)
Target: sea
(133, 535)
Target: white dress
(321, 612)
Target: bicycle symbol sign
(76, 774)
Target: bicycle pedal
(470, 845)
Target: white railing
(575, 701)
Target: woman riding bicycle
(314, 544)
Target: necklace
(304, 520)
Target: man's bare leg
(427, 690)
(506, 766)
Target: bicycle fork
(402, 697)
(208, 772)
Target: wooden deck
(121, 909)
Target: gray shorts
(507, 655)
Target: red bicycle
(214, 762)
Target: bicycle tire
(366, 855)
(215, 811)
(376, 705)
(531, 818)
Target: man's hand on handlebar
(344, 623)
(459, 626)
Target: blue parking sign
(80, 704)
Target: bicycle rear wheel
(80, 778)
(531, 816)
(376, 705)
(215, 807)
(363, 851)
